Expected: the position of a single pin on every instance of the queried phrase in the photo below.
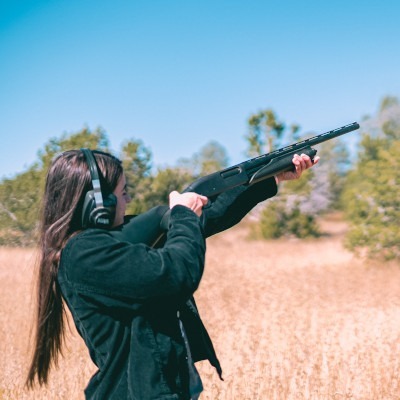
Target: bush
(277, 220)
(372, 196)
(372, 202)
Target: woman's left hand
(301, 163)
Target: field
(290, 319)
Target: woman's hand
(301, 163)
(192, 200)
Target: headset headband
(94, 174)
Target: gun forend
(280, 164)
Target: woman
(132, 304)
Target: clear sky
(178, 74)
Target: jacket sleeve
(96, 262)
(230, 207)
(222, 212)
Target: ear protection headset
(97, 212)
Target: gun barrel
(323, 137)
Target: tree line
(362, 180)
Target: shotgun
(151, 226)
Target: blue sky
(178, 74)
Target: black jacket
(124, 299)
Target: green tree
(137, 163)
(96, 139)
(372, 194)
(20, 197)
(210, 158)
(265, 132)
(164, 182)
(291, 212)
(19, 207)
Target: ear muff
(96, 211)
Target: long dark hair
(68, 180)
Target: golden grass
(290, 319)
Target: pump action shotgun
(262, 167)
(248, 173)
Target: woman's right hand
(192, 200)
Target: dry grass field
(290, 319)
